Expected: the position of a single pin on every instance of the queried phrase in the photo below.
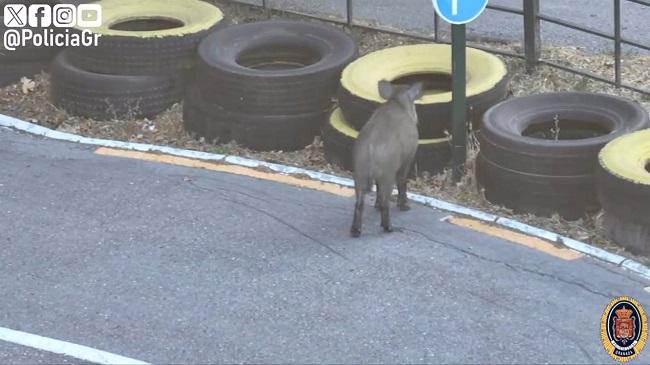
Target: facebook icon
(459, 11)
(40, 16)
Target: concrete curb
(634, 266)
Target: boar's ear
(386, 89)
(416, 91)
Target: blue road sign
(459, 11)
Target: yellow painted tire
(628, 158)
(487, 84)
(624, 190)
(339, 136)
(148, 36)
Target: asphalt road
(169, 264)
(417, 15)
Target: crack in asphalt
(515, 268)
(269, 201)
(511, 311)
(511, 266)
(276, 218)
(584, 351)
(607, 267)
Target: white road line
(634, 266)
(446, 218)
(65, 348)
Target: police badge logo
(624, 328)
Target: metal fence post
(459, 101)
(532, 36)
(436, 27)
(617, 42)
(350, 12)
(265, 6)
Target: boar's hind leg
(383, 195)
(402, 181)
(377, 200)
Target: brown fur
(384, 151)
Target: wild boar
(384, 151)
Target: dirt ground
(29, 101)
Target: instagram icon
(65, 16)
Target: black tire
(205, 120)
(257, 132)
(521, 168)
(133, 52)
(488, 84)
(538, 194)
(13, 72)
(277, 132)
(433, 156)
(224, 56)
(106, 97)
(29, 53)
(624, 190)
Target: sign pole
(458, 13)
(459, 102)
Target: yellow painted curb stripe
(515, 237)
(231, 169)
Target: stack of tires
(430, 63)
(23, 61)
(339, 137)
(141, 64)
(624, 190)
(267, 85)
(539, 154)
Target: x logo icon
(15, 15)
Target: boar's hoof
(404, 207)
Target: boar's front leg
(355, 231)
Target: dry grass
(32, 103)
